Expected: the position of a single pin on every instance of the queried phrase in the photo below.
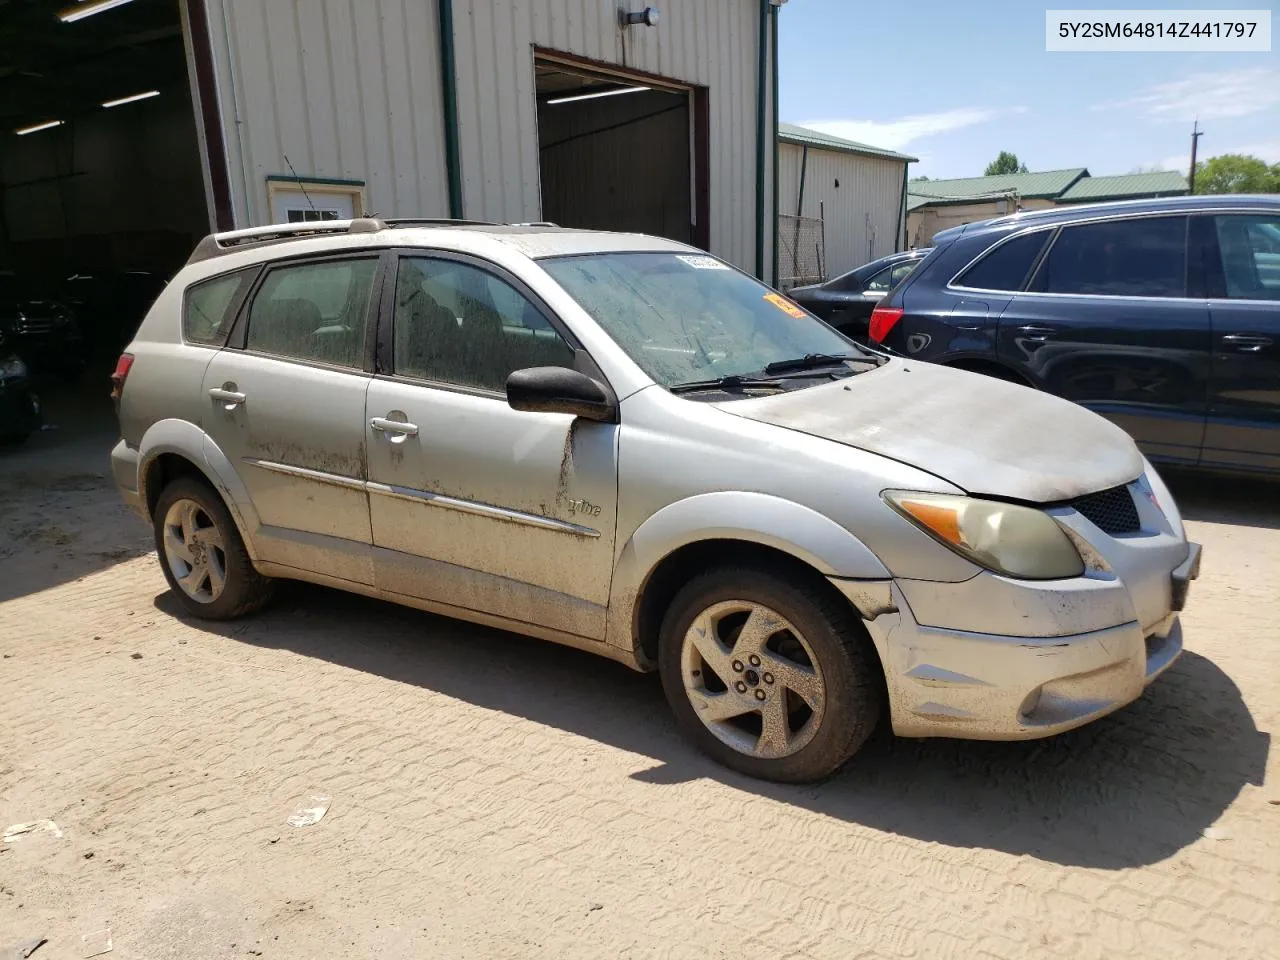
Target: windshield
(688, 317)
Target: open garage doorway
(621, 152)
(102, 194)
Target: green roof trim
(803, 136)
(1030, 186)
(1164, 183)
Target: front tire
(202, 555)
(770, 674)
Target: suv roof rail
(217, 244)
(435, 222)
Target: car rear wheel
(202, 555)
(769, 673)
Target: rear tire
(769, 673)
(202, 555)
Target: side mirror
(561, 390)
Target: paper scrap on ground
(97, 943)
(19, 830)
(310, 812)
(1217, 833)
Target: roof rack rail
(535, 223)
(217, 244)
(435, 222)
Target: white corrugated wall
(350, 89)
(861, 214)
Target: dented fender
(771, 521)
(187, 440)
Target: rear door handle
(1245, 343)
(230, 397)
(1034, 331)
(383, 425)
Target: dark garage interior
(615, 153)
(101, 191)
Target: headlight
(12, 367)
(1017, 541)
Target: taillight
(123, 365)
(883, 319)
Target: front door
(473, 504)
(1244, 405)
(1107, 321)
(285, 403)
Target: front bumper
(948, 682)
(19, 408)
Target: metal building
(840, 204)
(584, 112)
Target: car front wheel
(202, 555)
(769, 673)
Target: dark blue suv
(1161, 315)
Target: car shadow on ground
(1129, 790)
(1213, 498)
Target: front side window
(1250, 250)
(1145, 257)
(1006, 267)
(457, 323)
(206, 314)
(685, 318)
(314, 311)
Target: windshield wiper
(734, 381)
(811, 361)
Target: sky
(954, 83)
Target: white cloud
(1269, 151)
(896, 134)
(1206, 96)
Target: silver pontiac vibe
(620, 443)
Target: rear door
(1108, 321)
(285, 403)
(1243, 274)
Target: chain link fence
(802, 255)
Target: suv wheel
(202, 555)
(769, 674)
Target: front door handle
(1245, 343)
(383, 425)
(231, 398)
(1036, 332)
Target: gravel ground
(492, 796)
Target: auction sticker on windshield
(785, 305)
(703, 263)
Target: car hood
(986, 436)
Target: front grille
(33, 326)
(1111, 511)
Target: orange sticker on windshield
(785, 305)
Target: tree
(1237, 173)
(1005, 163)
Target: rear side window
(1119, 258)
(1250, 249)
(206, 316)
(314, 311)
(1007, 266)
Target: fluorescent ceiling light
(133, 99)
(23, 131)
(88, 9)
(593, 96)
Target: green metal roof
(1165, 183)
(790, 133)
(1046, 186)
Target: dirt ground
(492, 796)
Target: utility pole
(1196, 134)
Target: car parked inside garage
(622, 444)
(1161, 315)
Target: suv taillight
(123, 365)
(883, 319)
